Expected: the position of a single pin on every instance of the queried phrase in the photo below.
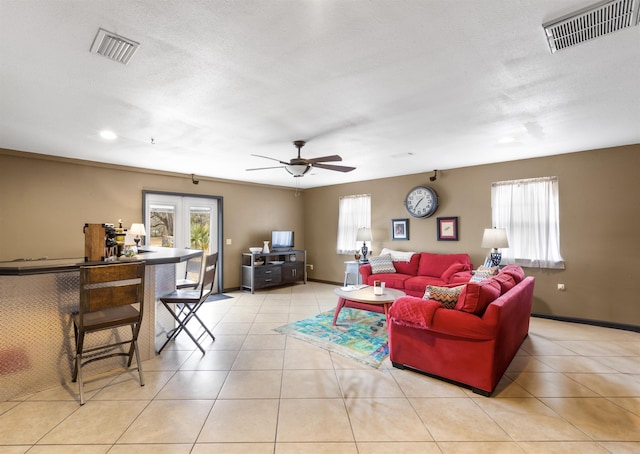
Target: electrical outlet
(561, 287)
(228, 241)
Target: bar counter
(151, 255)
(37, 298)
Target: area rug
(359, 335)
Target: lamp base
(365, 251)
(496, 258)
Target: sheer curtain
(354, 212)
(528, 210)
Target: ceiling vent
(114, 47)
(592, 22)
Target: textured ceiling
(394, 87)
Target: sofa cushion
(447, 296)
(418, 284)
(391, 280)
(506, 282)
(382, 264)
(515, 271)
(410, 267)
(436, 264)
(476, 296)
(484, 272)
(453, 269)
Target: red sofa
(472, 344)
(422, 269)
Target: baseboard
(585, 321)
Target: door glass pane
(200, 228)
(162, 218)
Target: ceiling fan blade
(265, 168)
(331, 158)
(332, 167)
(273, 159)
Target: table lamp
(364, 235)
(138, 231)
(495, 239)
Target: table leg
(339, 306)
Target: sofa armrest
(365, 272)
(462, 277)
(413, 311)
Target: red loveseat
(422, 269)
(472, 344)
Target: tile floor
(572, 388)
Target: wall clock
(421, 202)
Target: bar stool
(111, 296)
(183, 305)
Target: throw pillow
(476, 296)
(483, 272)
(446, 296)
(506, 282)
(516, 272)
(397, 256)
(382, 264)
(453, 269)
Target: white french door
(183, 221)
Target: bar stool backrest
(106, 286)
(208, 278)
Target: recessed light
(108, 135)
(507, 140)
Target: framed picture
(400, 229)
(448, 229)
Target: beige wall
(599, 221)
(45, 203)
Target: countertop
(150, 254)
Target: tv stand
(277, 268)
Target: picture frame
(400, 229)
(448, 228)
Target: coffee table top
(365, 295)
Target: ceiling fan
(300, 166)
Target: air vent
(114, 47)
(592, 22)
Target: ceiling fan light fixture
(297, 170)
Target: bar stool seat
(183, 305)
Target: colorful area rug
(359, 335)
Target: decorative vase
(265, 249)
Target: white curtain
(528, 210)
(354, 212)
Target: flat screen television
(281, 240)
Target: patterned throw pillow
(382, 264)
(484, 272)
(447, 296)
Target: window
(528, 210)
(354, 212)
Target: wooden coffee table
(366, 300)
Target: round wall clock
(421, 202)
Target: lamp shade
(137, 229)
(364, 234)
(494, 239)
